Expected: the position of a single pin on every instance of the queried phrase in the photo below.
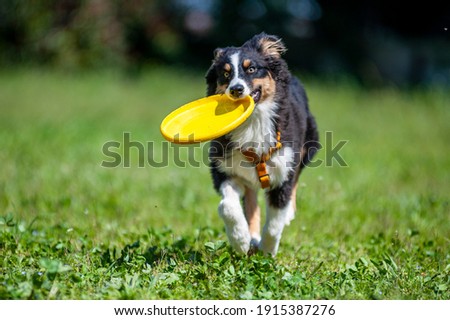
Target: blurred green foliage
(374, 41)
(85, 34)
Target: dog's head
(252, 69)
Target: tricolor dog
(268, 151)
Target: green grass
(71, 229)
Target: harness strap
(260, 162)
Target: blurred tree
(67, 33)
(376, 41)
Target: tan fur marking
(294, 197)
(252, 212)
(221, 89)
(302, 153)
(267, 85)
(246, 63)
(227, 67)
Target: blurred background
(78, 74)
(376, 42)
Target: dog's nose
(237, 90)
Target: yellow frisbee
(206, 119)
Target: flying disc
(206, 119)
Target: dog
(268, 151)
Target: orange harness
(260, 162)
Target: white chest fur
(258, 130)
(278, 167)
(258, 133)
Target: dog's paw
(269, 246)
(241, 247)
(254, 247)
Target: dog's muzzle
(237, 90)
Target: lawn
(70, 228)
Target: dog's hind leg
(230, 210)
(291, 217)
(253, 215)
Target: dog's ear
(217, 54)
(272, 46)
(211, 80)
(211, 74)
(268, 45)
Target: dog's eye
(251, 70)
(226, 74)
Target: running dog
(268, 151)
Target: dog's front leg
(230, 210)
